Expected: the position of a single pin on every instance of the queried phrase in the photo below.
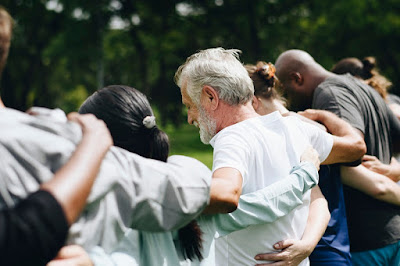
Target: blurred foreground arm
(38, 225)
(71, 184)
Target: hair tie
(267, 71)
(149, 121)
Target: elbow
(361, 148)
(230, 202)
(379, 190)
(358, 149)
(231, 207)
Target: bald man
(372, 200)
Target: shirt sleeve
(341, 103)
(320, 140)
(270, 203)
(230, 151)
(33, 231)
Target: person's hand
(73, 255)
(311, 155)
(313, 114)
(93, 129)
(291, 252)
(373, 164)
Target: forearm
(71, 184)
(270, 203)
(318, 220)
(226, 188)
(348, 145)
(373, 184)
(394, 170)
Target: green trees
(63, 50)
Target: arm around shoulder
(348, 142)
(226, 188)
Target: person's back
(372, 223)
(263, 148)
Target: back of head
(264, 80)
(6, 24)
(352, 66)
(220, 69)
(366, 70)
(294, 61)
(129, 117)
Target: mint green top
(259, 207)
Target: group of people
(101, 183)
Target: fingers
(85, 121)
(369, 158)
(278, 263)
(92, 127)
(310, 114)
(71, 256)
(284, 244)
(311, 155)
(70, 251)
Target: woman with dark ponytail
(131, 122)
(130, 119)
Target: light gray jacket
(130, 191)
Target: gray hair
(217, 68)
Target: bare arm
(373, 184)
(71, 184)
(391, 170)
(292, 251)
(348, 143)
(226, 188)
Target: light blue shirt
(262, 206)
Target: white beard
(207, 126)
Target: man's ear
(209, 97)
(297, 77)
(255, 103)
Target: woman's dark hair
(264, 80)
(364, 69)
(124, 110)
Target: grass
(186, 141)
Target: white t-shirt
(264, 149)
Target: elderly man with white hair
(250, 151)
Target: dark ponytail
(129, 117)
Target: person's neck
(2, 104)
(270, 106)
(321, 75)
(230, 115)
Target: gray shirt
(372, 223)
(129, 192)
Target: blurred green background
(64, 50)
